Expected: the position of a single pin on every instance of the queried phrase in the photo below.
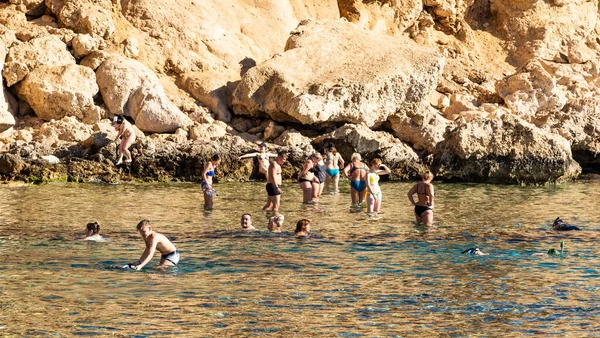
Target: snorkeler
(127, 136)
(92, 232)
(356, 171)
(426, 194)
(263, 158)
(246, 222)
(274, 182)
(374, 195)
(333, 162)
(302, 228)
(207, 176)
(155, 241)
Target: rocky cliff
(501, 91)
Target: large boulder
(211, 90)
(505, 150)
(84, 16)
(423, 129)
(393, 17)
(8, 107)
(351, 138)
(58, 91)
(23, 58)
(67, 129)
(128, 87)
(357, 76)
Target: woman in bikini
(207, 177)
(373, 190)
(305, 179)
(333, 162)
(426, 194)
(263, 158)
(356, 172)
(127, 135)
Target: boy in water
(155, 241)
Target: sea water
(354, 276)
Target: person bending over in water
(373, 190)
(207, 177)
(426, 194)
(305, 179)
(274, 182)
(127, 136)
(155, 241)
(318, 181)
(92, 232)
(357, 174)
(333, 161)
(246, 222)
(263, 158)
(302, 228)
(275, 223)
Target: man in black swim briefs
(273, 186)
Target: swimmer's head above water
(275, 223)
(302, 227)
(474, 251)
(246, 222)
(92, 229)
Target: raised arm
(385, 170)
(148, 254)
(410, 194)
(248, 156)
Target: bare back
(425, 194)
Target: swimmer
(374, 195)
(425, 193)
(155, 241)
(552, 252)
(127, 136)
(560, 225)
(275, 223)
(318, 171)
(333, 162)
(207, 177)
(92, 232)
(246, 222)
(273, 186)
(305, 179)
(474, 251)
(263, 158)
(356, 172)
(302, 228)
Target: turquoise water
(355, 276)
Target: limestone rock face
(531, 90)
(292, 138)
(84, 16)
(84, 44)
(543, 29)
(67, 129)
(357, 76)
(350, 138)
(23, 58)
(579, 123)
(209, 88)
(58, 91)
(396, 17)
(7, 102)
(506, 150)
(31, 7)
(422, 130)
(128, 87)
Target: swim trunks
(333, 172)
(272, 189)
(173, 257)
(419, 210)
(358, 185)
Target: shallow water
(356, 276)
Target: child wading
(155, 241)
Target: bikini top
(210, 173)
(422, 192)
(357, 168)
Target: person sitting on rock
(127, 136)
(263, 158)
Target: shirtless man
(155, 241)
(274, 182)
(263, 158)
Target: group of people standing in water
(320, 172)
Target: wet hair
(376, 161)
(301, 225)
(427, 175)
(94, 227)
(262, 145)
(142, 224)
(356, 157)
(215, 157)
(118, 119)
